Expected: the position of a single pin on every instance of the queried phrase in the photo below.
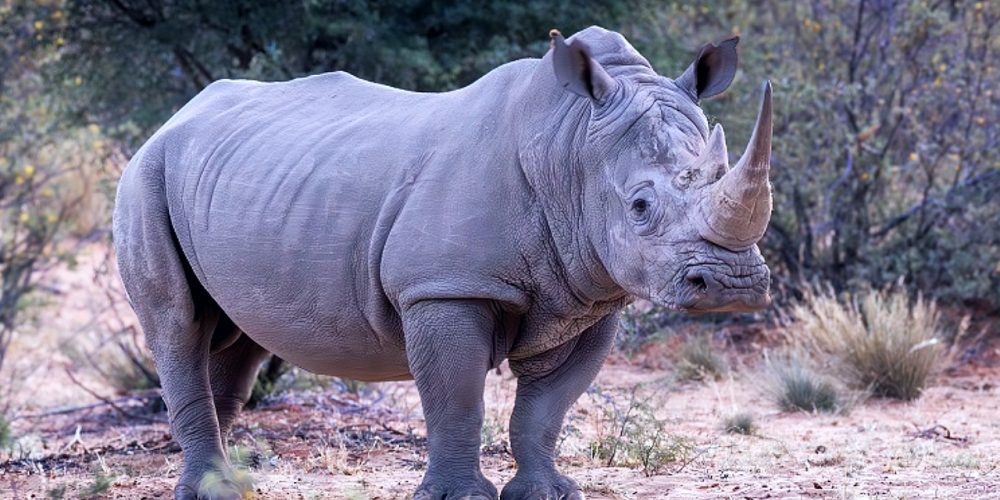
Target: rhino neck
(551, 135)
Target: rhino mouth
(722, 287)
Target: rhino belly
(313, 322)
(298, 283)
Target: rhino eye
(640, 206)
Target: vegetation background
(886, 161)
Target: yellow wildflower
(98, 144)
(979, 6)
(52, 219)
(18, 180)
(78, 81)
(60, 41)
(25, 217)
(914, 157)
(29, 170)
(942, 68)
(39, 24)
(57, 15)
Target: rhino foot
(227, 484)
(478, 488)
(541, 486)
(185, 492)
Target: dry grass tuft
(740, 423)
(879, 341)
(697, 360)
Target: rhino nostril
(696, 281)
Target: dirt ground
(321, 441)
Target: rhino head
(676, 224)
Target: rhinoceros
(368, 232)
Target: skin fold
(373, 233)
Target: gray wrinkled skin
(367, 232)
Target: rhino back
(306, 208)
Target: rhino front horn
(737, 209)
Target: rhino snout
(722, 288)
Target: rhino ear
(712, 71)
(577, 71)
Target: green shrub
(879, 341)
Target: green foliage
(885, 162)
(44, 192)
(880, 341)
(697, 360)
(633, 436)
(183, 45)
(740, 423)
(795, 386)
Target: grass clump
(740, 423)
(6, 436)
(881, 342)
(99, 487)
(794, 387)
(697, 360)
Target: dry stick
(73, 409)
(110, 402)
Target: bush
(880, 341)
(794, 386)
(697, 360)
(129, 368)
(633, 436)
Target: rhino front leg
(448, 346)
(547, 386)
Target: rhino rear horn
(577, 71)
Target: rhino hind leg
(232, 372)
(178, 319)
